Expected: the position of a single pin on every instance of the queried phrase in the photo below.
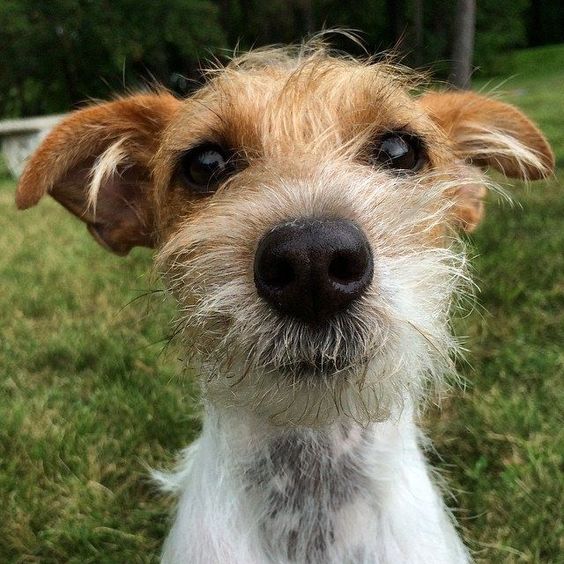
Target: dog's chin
(304, 392)
(301, 351)
(319, 368)
(306, 376)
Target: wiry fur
(310, 451)
(364, 362)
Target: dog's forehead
(292, 103)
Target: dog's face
(304, 211)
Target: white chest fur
(251, 493)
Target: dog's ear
(488, 133)
(96, 163)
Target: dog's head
(303, 207)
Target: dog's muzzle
(312, 269)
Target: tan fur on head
(302, 127)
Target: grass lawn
(89, 398)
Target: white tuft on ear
(489, 133)
(496, 147)
(105, 167)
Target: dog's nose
(313, 268)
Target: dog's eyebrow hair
(214, 136)
(404, 128)
(207, 108)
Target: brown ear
(96, 164)
(488, 133)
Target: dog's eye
(400, 151)
(204, 166)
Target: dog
(305, 208)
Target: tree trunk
(463, 45)
(418, 28)
(306, 8)
(396, 22)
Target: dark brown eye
(400, 151)
(203, 167)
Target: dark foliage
(56, 55)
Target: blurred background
(92, 389)
(56, 54)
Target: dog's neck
(252, 440)
(310, 490)
(253, 492)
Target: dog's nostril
(348, 266)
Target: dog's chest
(307, 488)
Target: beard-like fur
(389, 347)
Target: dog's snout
(313, 268)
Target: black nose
(313, 268)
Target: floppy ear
(488, 133)
(96, 163)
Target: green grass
(502, 441)
(87, 400)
